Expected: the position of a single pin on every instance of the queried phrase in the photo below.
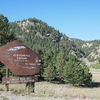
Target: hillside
(40, 37)
(91, 50)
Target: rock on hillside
(91, 49)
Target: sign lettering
(20, 59)
(16, 80)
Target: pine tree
(48, 66)
(76, 73)
(5, 37)
(60, 62)
(49, 73)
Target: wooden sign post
(7, 75)
(21, 60)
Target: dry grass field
(46, 89)
(96, 74)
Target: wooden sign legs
(7, 75)
(7, 87)
(31, 87)
(29, 80)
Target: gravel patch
(12, 96)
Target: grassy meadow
(46, 89)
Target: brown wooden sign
(20, 59)
(16, 80)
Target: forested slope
(40, 37)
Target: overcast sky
(76, 18)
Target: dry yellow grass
(67, 91)
(96, 74)
(47, 89)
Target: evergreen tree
(60, 62)
(48, 66)
(76, 73)
(5, 37)
(49, 73)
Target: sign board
(20, 59)
(16, 80)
